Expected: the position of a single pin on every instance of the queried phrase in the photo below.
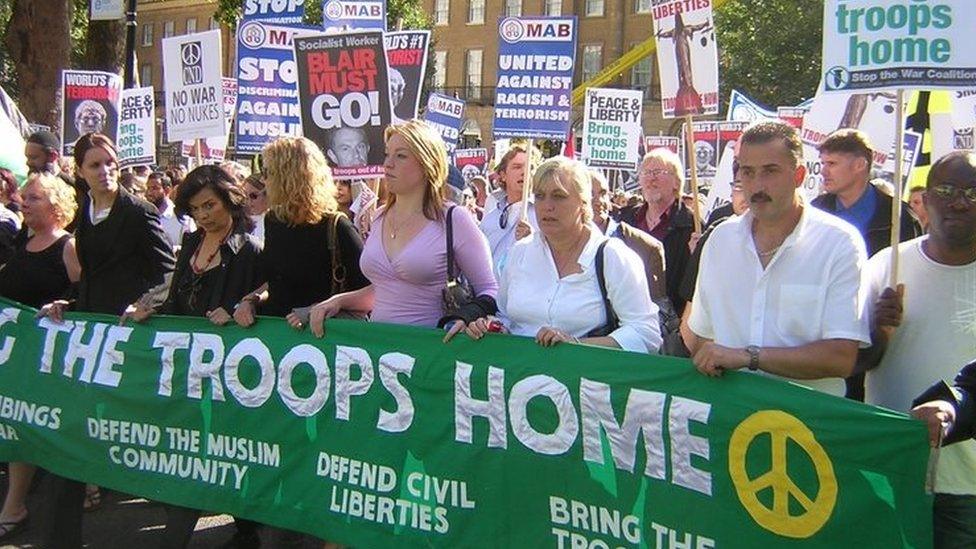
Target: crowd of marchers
(771, 284)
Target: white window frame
(192, 30)
(440, 69)
(442, 12)
(591, 10)
(147, 34)
(143, 69)
(649, 61)
(513, 8)
(169, 29)
(553, 8)
(476, 12)
(473, 78)
(588, 49)
(642, 6)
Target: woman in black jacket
(215, 268)
(122, 248)
(216, 265)
(124, 257)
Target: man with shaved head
(926, 328)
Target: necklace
(769, 253)
(397, 226)
(210, 258)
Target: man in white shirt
(158, 190)
(501, 225)
(779, 288)
(927, 329)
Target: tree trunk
(38, 39)
(105, 47)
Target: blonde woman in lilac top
(405, 256)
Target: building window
(513, 8)
(168, 29)
(592, 60)
(594, 8)
(440, 70)
(553, 8)
(145, 75)
(642, 6)
(476, 12)
(441, 12)
(214, 25)
(473, 74)
(640, 75)
(147, 34)
(191, 25)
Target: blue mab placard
(278, 12)
(267, 101)
(358, 15)
(536, 57)
(445, 114)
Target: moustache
(760, 197)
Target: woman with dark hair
(216, 263)
(123, 254)
(10, 221)
(215, 268)
(9, 191)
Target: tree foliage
(77, 10)
(770, 49)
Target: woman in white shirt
(550, 289)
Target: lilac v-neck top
(407, 287)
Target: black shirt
(297, 262)
(36, 278)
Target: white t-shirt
(810, 291)
(174, 227)
(501, 239)
(258, 230)
(937, 337)
(531, 294)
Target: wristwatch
(753, 357)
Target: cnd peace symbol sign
(782, 428)
(191, 53)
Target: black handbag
(457, 296)
(613, 322)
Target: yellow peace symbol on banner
(782, 428)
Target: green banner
(382, 436)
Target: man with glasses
(926, 328)
(663, 216)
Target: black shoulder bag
(459, 301)
(612, 321)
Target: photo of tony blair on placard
(344, 91)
